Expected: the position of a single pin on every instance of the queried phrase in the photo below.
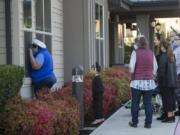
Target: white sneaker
(95, 122)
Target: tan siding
(2, 34)
(57, 40)
(17, 32)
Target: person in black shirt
(97, 93)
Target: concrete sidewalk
(117, 124)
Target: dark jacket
(167, 76)
(97, 85)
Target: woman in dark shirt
(167, 80)
(97, 93)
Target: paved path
(177, 131)
(117, 124)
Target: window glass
(47, 15)
(101, 20)
(97, 21)
(48, 42)
(99, 34)
(97, 51)
(39, 15)
(27, 13)
(40, 37)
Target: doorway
(121, 40)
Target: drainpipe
(8, 31)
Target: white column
(26, 90)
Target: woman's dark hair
(98, 67)
(142, 42)
(159, 37)
(169, 50)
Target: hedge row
(57, 113)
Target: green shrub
(10, 82)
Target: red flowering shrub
(58, 113)
(15, 117)
(116, 84)
(49, 115)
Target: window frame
(99, 37)
(33, 32)
(33, 18)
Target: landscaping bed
(58, 113)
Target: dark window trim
(8, 31)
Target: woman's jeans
(136, 98)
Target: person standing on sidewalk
(143, 67)
(158, 38)
(97, 93)
(176, 52)
(167, 81)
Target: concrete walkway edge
(117, 124)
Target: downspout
(8, 31)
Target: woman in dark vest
(167, 81)
(143, 67)
(41, 66)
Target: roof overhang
(143, 5)
(151, 3)
(118, 4)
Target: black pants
(46, 83)
(168, 99)
(98, 105)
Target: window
(27, 13)
(43, 15)
(37, 24)
(99, 28)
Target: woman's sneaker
(97, 121)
